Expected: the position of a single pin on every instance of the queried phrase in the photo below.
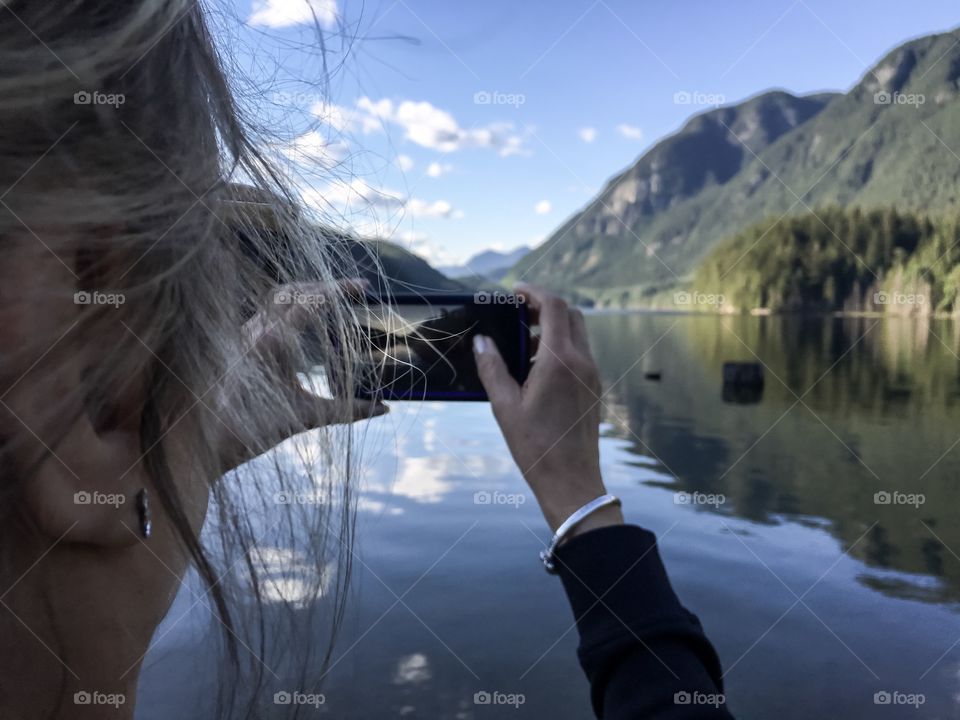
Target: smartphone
(420, 347)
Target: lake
(814, 532)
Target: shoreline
(763, 312)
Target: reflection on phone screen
(420, 351)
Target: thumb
(315, 412)
(501, 388)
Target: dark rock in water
(744, 374)
(742, 394)
(742, 382)
(652, 375)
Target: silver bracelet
(569, 524)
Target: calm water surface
(817, 594)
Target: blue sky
(453, 127)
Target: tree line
(839, 260)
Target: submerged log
(742, 382)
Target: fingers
(354, 287)
(292, 308)
(502, 389)
(552, 313)
(366, 409)
(302, 299)
(318, 412)
(578, 332)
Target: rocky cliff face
(893, 140)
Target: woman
(132, 378)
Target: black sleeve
(644, 654)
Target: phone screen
(421, 347)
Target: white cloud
(514, 146)
(372, 116)
(435, 169)
(405, 162)
(543, 207)
(588, 134)
(346, 196)
(422, 245)
(336, 116)
(314, 148)
(366, 116)
(436, 209)
(362, 205)
(428, 126)
(631, 132)
(286, 13)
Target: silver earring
(143, 511)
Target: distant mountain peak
(487, 263)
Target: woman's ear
(79, 482)
(86, 489)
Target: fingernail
(480, 344)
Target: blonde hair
(122, 148)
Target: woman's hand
(551, 423)
(269, 334)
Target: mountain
(383, 261)
(489, 263)
(885, 142)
